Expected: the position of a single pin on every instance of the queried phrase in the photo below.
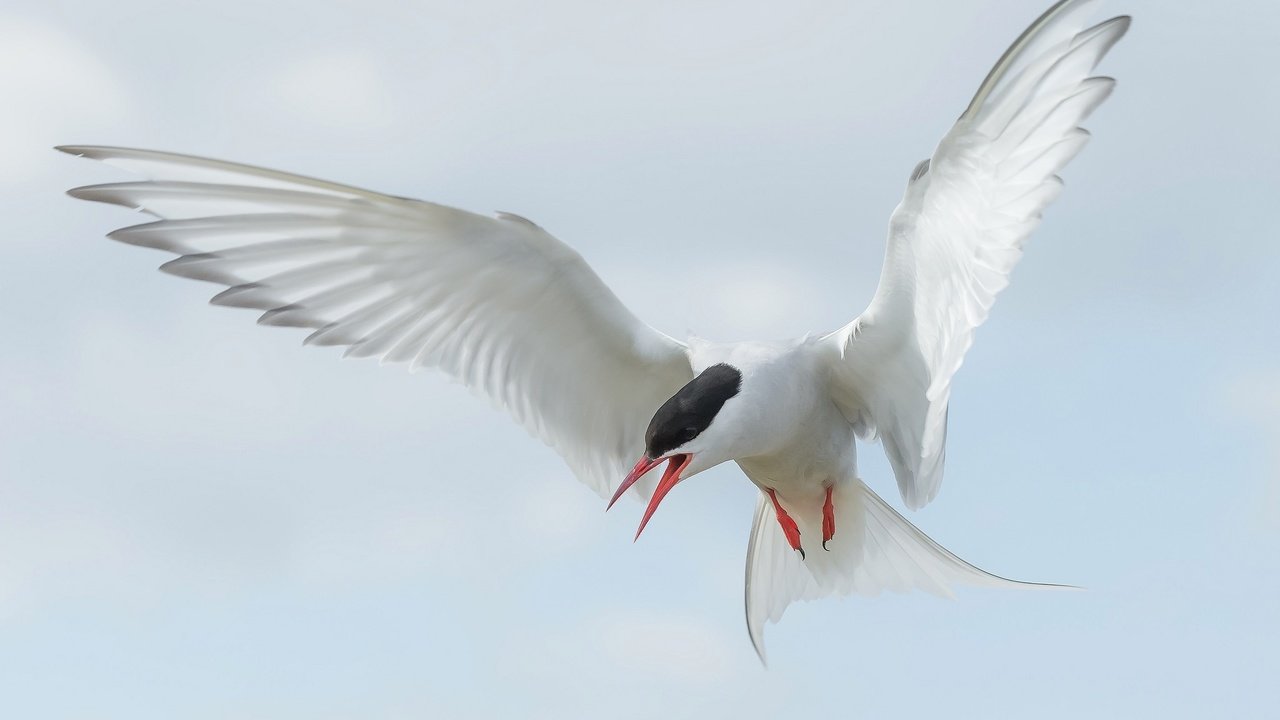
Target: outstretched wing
(958, 233)
(495, 302)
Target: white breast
(798, 440)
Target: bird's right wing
(496, 303)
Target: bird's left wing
(958, 233)
(496, 303)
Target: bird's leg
(828, 518)
(789, 527)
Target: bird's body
(504, 307)
(795, 440)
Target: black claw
(801, 552)
(824, 546)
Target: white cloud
(375, 545)
(344, 89)
(555, 510)
(52, 86)
(639, 662)
(1256, 397)
(64, 552)
(753, 299)
(680, 649)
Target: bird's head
(686, 435)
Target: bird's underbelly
(801, 471)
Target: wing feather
(496, 303)
(958, 233)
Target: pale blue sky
(199, 519)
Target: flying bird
(499, 304)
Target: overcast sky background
(200, 519)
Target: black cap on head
(689, 412)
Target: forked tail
(874, 549)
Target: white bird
(500, 305)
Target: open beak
(669, 480)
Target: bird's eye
(688, 434)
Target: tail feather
(874, 549)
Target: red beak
(642, 467)
(669, 480)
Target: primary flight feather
(513, 313)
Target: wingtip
(86, 192)
(92, 152)
(764, 660)
(291, 315)
(757, 644)
(109, 193)
(1060, 586)
(756, 636)
(1117, 27)
(1125, 22)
